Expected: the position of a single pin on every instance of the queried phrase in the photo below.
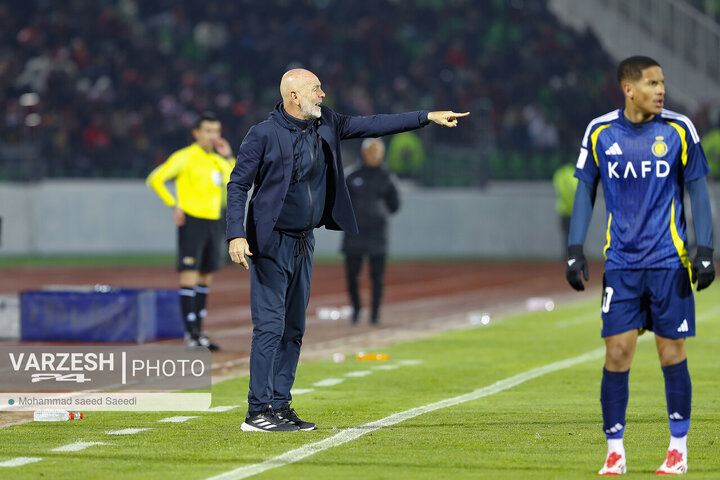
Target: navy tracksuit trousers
(280, 278)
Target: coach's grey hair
(369, 141)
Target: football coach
(293, 164)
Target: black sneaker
(191, 341)
(288, 414)
(204, 341)
(267, 421)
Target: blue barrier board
(106, 314)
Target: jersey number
(607, 296)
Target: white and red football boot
(675, 464)
(614, 464)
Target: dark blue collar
(298, 122)
(636, 126)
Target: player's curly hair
(631, 68)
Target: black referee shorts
(199, 243)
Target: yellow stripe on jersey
(677, 241)
(683, 134)
(594, 139)
(200, 179)
(607, 235)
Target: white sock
(616, 445)
(679, 444)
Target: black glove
(703, 267)
(576, 266)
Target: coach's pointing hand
(238, 249)
(577, 267)
(446, 118)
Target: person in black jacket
(374, 197)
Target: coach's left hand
(446, 118)
(238, 249)
(703, 267)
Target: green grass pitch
(548, 427)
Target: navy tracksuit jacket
(281, 265)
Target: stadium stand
(109, 89)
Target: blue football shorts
(657, 300)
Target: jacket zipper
(309, 189)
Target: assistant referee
(200, 172)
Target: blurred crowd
(111, 88)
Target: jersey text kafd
(662, 169)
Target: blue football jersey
(643, 169)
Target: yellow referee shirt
(200, 179)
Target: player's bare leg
(619, 352)
(189, 278)
(671, 351)
(678, 391)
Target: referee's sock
(187, 307)
(678, 393)
(201, 293)
(614, 394)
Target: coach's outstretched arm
(351, 126)
(577, 267)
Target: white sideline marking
(385, 367)
(359, 373)
(18, 461)
(350, 434)
(409, 362)
(222, 408)
(300, 391)
(175, 419)
(328, 382)
(127, 431)
(76, 447)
